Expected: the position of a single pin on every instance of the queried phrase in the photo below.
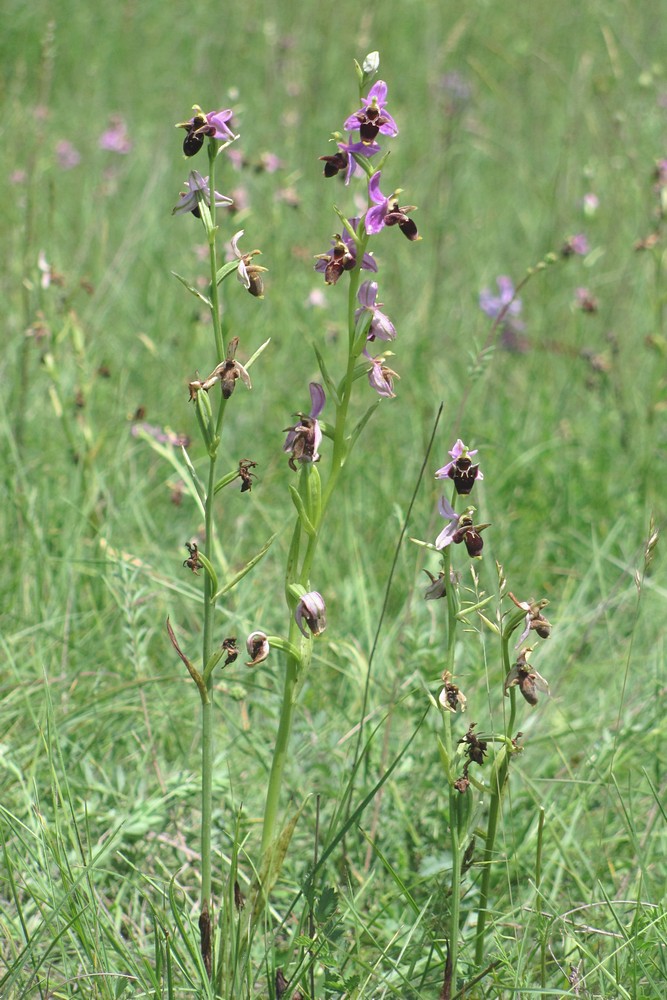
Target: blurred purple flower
(575, 245)
(116, 138)
(67, 155)
(162, 436)
(373, 116)
(381, 327)
(505, 303)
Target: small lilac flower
(311, 609)
(505, 303)
(116, 138)
(373, 116)
(67, 155)
(446, 536)
(575, 245)
(382, 378)
(213, 124)
(461, 470)
(258, 648)
(381, 327)
(250, 275)
(386, 212)
(198, 185)
(343, 256)
(303, 439)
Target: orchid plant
(310, 444)
(463, 758)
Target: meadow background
(98, 766)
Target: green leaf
(226, 270)
(306, 523)
(246, 569)
(197, 294)
(331, 388)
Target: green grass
(99, 785)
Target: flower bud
(258, 648)
(311, 609)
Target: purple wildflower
(198, 185)
(311, 609)
(373, 116)
(212, 124)
(343, 256)
(304, 438)
(386, 212)
(381, 327)
(116, 138)
(461, 469)
(446, 536)
(381, 378)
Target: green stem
(213, 256)
(295, 669)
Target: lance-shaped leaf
(195, 291)
(242, 572)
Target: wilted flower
(116, 138)
(534, 618)
(381, 378)
(373, 116)
(311, 609)
(437, 587)
(343, 256)
(527, 678)
(474, 748)
(226, 373)
(250, 275)
(461, 470)
(381, 326)
(213, 125)
(304, 438)
(575, 245)
(451, 697)
(198, 185)
(258, 648)
(386, 212)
